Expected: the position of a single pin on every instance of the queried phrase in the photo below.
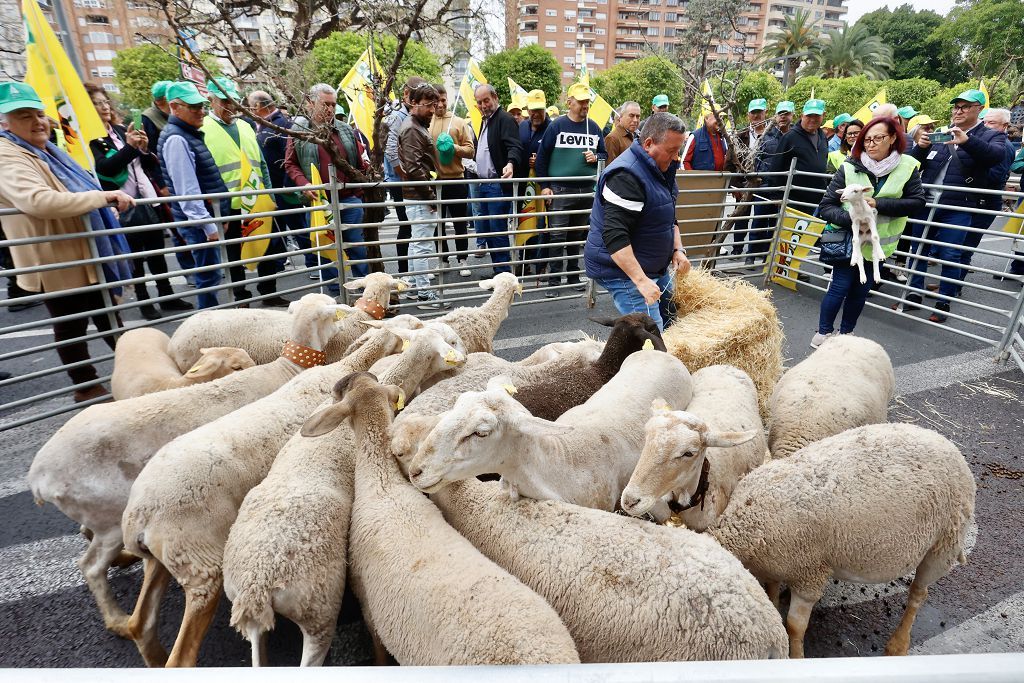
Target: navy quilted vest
(206, 168)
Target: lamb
(88, 466)
(183, 503)
(427, 594)
(627, 590)
(848, 382)
(476, 326)
(724, 409)
(868, 506)
(585, 457)
(864, 229)
(262, 332)
(287, 549)
(555, 349)
(143, 366)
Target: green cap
(983, 112)
(660, 101)
(975, 96)
(159, 89)
(785, 105)
(759, 104)
(15, 95)
(221, 85)
(837, 121)
(907, 112)
(815, 107)
(339, 110)
(186, 91)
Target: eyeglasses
(875, 140)
(852, 134)
(196, 107)
(964, 107)
(101, 104)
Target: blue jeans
(627, 299)
(949, 241)
(354, 216)
(845, 292)
(421, 251)
(761, 230)
(487, 225)
(473, 190)
(203, 256)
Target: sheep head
(217, 362)
(631, 332)
(504, 285)
(377, 287)
(855, 192)
(316, 319)
(359, 391)
(675, 446)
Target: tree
(755, 85)
(911, 91)
(939, 107)
(915, 51)
(851, 51)
(840, 94)
(136, 69)
(709, 24)
(990, 33)
(532, 67)
(332, 57)
(640, 80)
(798, 34)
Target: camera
(940, 136)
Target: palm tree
(798, 34)
(850, 51)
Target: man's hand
(533, 160)
(123, 201)
(311, 195)
(925, 141)
(959, 137)
(649, 289)
(681, 263)
(589, 157)
(213, 237)
(507, 171)
(137, 139)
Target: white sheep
(865, 229)
(182, 505)
(428, 595)
(724, 408)
(627, 590)
(143, 366)
(476, 326)
(584, 457)
(88, 466)
(287, 550)
(848, 382)
(262, 332)
(555, 349)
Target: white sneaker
(465, 272)
(818, 339)
(430, 301)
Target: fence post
(1003, 350)
(774, 247)
(223, 248)
(339, 240)
(101, 277)
(441, 240)
(591, 283)
(912, 261)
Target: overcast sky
(858, 8)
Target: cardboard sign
(797, 235)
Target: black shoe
(939, 316)
(749, 262)
(550, 294)
(23, 306)
(149, 312)
(911, 302)
(576, 283)
(4, 375)
(276, 301)
(176, 305)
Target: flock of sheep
(276, 476)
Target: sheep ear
(294, 306)
(605, 320)
(378, 324)
(487, 284)
(396, 396)
(541, 427)
(353, 285)
(342, 311)
(660, 406)
(327, 420)
(399, 285)
(504, 383)
(728, 439)
(203, 366)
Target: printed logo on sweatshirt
(576, 140)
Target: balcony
(528, 26)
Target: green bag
(445, 148)
(120, 179)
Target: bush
(531, 67)
(640, 80)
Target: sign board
(694, 215)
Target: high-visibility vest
(228, 155)
(835, 160)
(890, 228)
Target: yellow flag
(867, 112)
(705, 105)
(467, 90)
(600, 111)
(358, 88)
(321, 219)
(1016, 225)
(516, 90)
(251, 179)
(984, 90)
(797, 235)
(584, 76)
(49, 72)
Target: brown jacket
(47, 208)
(418, 157)
(617, 142)
(464, 147)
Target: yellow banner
(705, 106)
(866, 113)
(467, 90)
(798, 234)
(1015, 226)
(254, 203)
(984, 91)
(528, 223)
(358, 88)
(323, 238)
(518, 92)
(49, 72)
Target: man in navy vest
(633, 236)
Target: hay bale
(729, 322)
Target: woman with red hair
(877, 161)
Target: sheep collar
(370, 307)
(698, 495)
(303, 356)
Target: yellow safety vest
(835, 160)
(228, 156)
(890, 228)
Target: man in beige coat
(47, 207)
(461, 147)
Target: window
(568, 74)
(670, 31)
(97, 19)
(95, 73)
(599, 46)
(106, 71)
(601, 16)
(655, 16)
(655, 3)
(569, 44)
(550, 43)
(97, 37)
(110, 87)
(527, 40)
(672, 3)
(652, 30)
(92, 4)
(570, 14)
(103, 55)
(550, 28)
(528, 26)
(144, 22)
(570, 29)
(551, 13)
(722, 49)
(742, 21)
(600, 31)
(599, 61)
(569, 60)
(670, 16)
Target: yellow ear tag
(405, 344)
(519, 288)
(648, 345)
(400, 403)
(340, 314)
(450, 358)
(665, 407)
(510, 388)
(192, 369)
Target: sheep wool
(477, 326)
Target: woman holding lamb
(894, 192)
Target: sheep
(585, 457)
(864, 228)
(286, 552)
(262, 332)
(868, 505)
(848, 382)
(724, 403)
(476, 326)
(627, 590)
(143, 366)
(427, 594)
(555, 349)
(88, 466)
(183, 503)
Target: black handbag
(836, 245)
(138, 216)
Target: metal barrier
(986, 313)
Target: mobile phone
(137, 118)
(938, 136)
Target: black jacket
(111, 161)
(274, 145)
(831, 207)
(984, 149)
(504, 146)
(797, 144)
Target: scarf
(881, 168)
(75, 179)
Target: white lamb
(262, 332)
(184, 502)
(848, 382)
(428, 595)
(143, 366)
(88, 466)
(724, 406)
(865, 229)
(476, 326)
(585, 457)
(287, 550)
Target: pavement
(945, 381)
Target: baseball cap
(924, 120)
(814, 107)
(517, 103)
(159, 89)
(830, 124)
(759, 104)
(785, 105)
(15, 95)
(445, 148)
(221, 85)
(907, 112)
(535, 100)
(982, 113)
(837, 121)
(660, 100)
(975, 96)
(339, 110)
(553, 111)
(578, 91)
(185, 91)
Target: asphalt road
(945, 382)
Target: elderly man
(633, 236)
(55, 197)
(154, 117)
(458, 146)
(768, 146)
(751, 138)
(626, 126)
(806, 143)
(706, 149)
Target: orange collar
(371, 308)
(303, 356)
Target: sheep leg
(877, 255)
(773, 589)
(932, 568)
(199, 613)
(102, 551)
(857, 258)
(258, 640)
(381, 656)
(142, 625)
(315, 645)
(125, 559)
(800, 606)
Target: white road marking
(998, 629)
(538, 340)
(40, 567)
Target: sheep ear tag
(405, 344)
(450, 357)
(340, 314)
(648, 345)
(510, 388)
(400, 403)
